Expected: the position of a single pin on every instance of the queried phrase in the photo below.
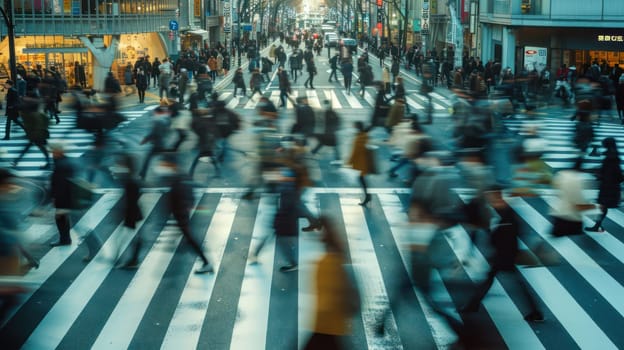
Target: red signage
(531, 52)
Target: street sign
(173, 25)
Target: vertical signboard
(424, 18)
(227, 17)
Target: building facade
(571, 32)
(104, 35)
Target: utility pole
(8, 20)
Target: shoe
(288, 268)
(534, 316)
(130, 265)
(594, 229)
(253, 259)
(206, 268)
(34, 263)
(367, 199)
(59, 243)
(312, 227)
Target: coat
(610, 177)
(361, 158)
(504, 239)
(60, 183)
(132, 212)
(36, 126)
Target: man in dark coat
(180, 198)
(12, 108)
(330, 127)
(504, 239)
(61, 193)
(284, 86)
(304, 118)
(347, 72)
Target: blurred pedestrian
(284, 86)
(164, 78)
(61, 193)
(255, 83)
(311, 68)
(142, 82)
(131, 210)
(36, 128)
(161, 122)
(204, 126)
(610, 178)
(619, 98)
(362, 158)
(346, 68)
(337, 295)
(181, 201)
(504, 239)
(12, 103)
(333, 62)
(305, 118)
(331, 123)
(183, 80)
(239, 81)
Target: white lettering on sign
(610, 38)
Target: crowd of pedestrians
(475, 162)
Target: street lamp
(8, 20)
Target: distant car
(349, 43)
(331, 40)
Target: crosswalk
(76, 142)
(338, 98)
(163, 304)
(559, 132)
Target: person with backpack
(239, 81)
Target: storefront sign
(424, 18)
(227, 18)
(603, 37)
(535, 58)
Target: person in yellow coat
(362, 158)
(337, 295)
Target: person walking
(12, 102)
(337, 296)
(156, 71)
(205, 127)
(61, 193)
(311, 68)
(131, 210)
(304, 118)
(333, 62)
(239, 81)
(142, 82)
(36, 128)
(181, 201)
(284, 86)
(504, 239)
(619, 98)
(183, 80)
(255, 83)
(361, 158)
(346, 68)
(164, 78)
(295, 63)
(331, 123)
(610, 178)
(160, 128)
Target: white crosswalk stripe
(338, 97)
(76, 142)
(371, 235)
(561, 151)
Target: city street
(72, 304)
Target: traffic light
(379, 3)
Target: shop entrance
(63, 61)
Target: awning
(199, 32)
